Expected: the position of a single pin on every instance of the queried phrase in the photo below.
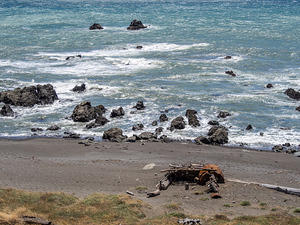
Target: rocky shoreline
(95, 115)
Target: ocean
(181, 65)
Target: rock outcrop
(114, 135)
(84, 112)
(96, 26)
(136, 25)
(218, 135)
(29, 96)
(79, 88)
(117, 112)
(139, 105)
(100, 121)
(163, 118)
(192, 118)
(178, 123)
(292, 94)
(7, 111)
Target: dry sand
(64, 165)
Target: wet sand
(64, 165)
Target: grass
(99, 209)
(245, 203)
(227, 205)
(297, 210)
(141, 188)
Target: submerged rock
(139, 105)
(228, 57)
(249, 127)
(230, 72)
(223, 114)
(53, 128)
(298, 108)
(36, 129)
(29, 96)
(147, 136)
(213, 123)
(117, 112)
(154, 123)
(292, 94)
(201, 140)
(79, 88)
(269, 85)
(7, 111)
(138, 127)
(114, 135)
(96, 26)
(100, 121)
(136, 25)
(73, 57)
(163, 118)
(159, 130)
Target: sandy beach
(60, 165)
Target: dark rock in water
(269, 85)
(277, 148)
(223, 114)
(213, 122)
(230, 72)
(7, 111)
(53, 128)
(96, 26)
(147, 136)
(79, 88)
(36, 129)
(73, 57)
(228, 57)
(178, 123)
(292, 94)
(298, 108)
(138, 127)
(213, 129)
(249, 127)
(261, 134)
(100, 109)
(114, 135)
(154, 123)
(286, 144)
(117, 112)
(192, 118)
(71, 135)
(163, 118)
(100, 121)
(83, 112)
(139, 47)
(139, 105)
(159, 130)
(29, 96)
(201, 140)
(136, 25)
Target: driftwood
(212, 184)
(130, 193)
(35, 220)
(153, 194)
(189, 221)
(287, 190)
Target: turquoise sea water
(181, 64)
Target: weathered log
(164, 183)
(130, 193)
(35, 220)
(212, 184)
(153, 194)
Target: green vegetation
(245, 203)
(102, 209)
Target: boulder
(29, 96)
(223, 114)
(249, 127)
(192, 118)
(136, 25)
(7, 111)
(79, 88)
(84, 112)
(292, 94)
(154, 123)
(100, 121)
(163, 118)
(100, 109)
(298, 108)
(114, 135)
(159, 130)
(178, 123)
(230, 72)
(147, 136)
(53, 128)
(117, 112)
(96, 26)
(201, 140)
(36, 129)
(139, 105)
(218, 135)
(228, 57)
(213, 123)
(139, 47)
(269, 85)
(138, 127)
